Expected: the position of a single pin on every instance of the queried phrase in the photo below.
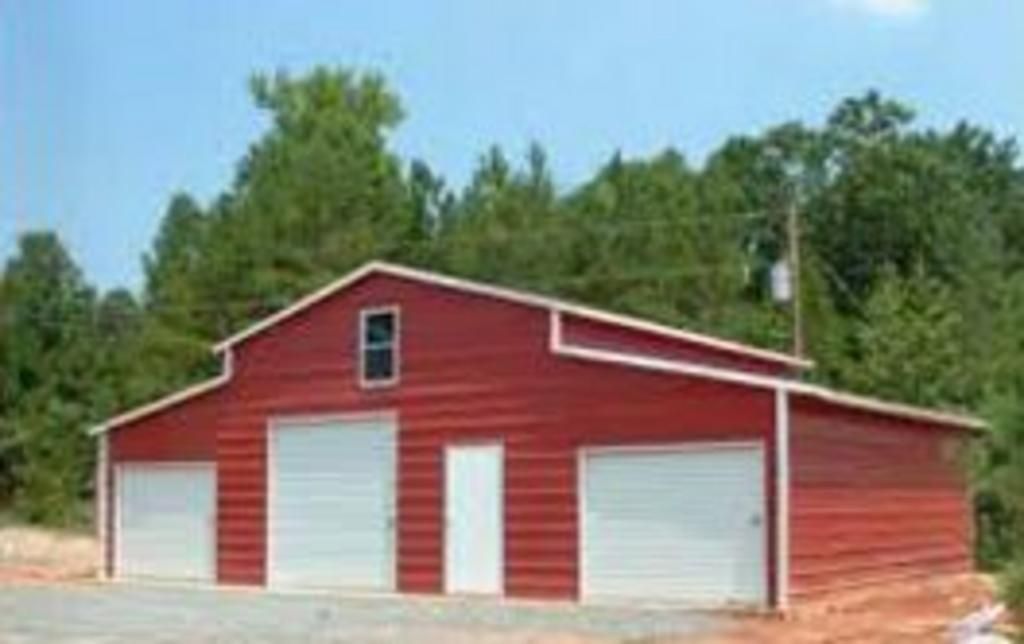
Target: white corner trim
(103, 502)
(508, 295)
(227, 371)
(782, 494)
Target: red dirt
(917, 611)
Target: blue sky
(107, 107)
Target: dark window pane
(380, 328)
(378, 364)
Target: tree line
(912, 241)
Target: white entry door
(474, 519)
(682, 524)
(166, 521)
(331, 504)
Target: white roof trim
(868, 403)
(668, 366)
(510, 295)
(856, 401)
(169, 400)
(557, 346)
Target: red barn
(406, 431)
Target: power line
(595, 274)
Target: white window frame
(396, 346)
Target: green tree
(169, 341)
(48, 362)
(649, 238)
(909, 200)
(172, 265)
(318, 194)
(506, 225)
(909, 345)
(432, 206)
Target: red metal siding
(472, 368)
(874, 498)
(185, 432)
(601, 335)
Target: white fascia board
(515, 296)
(559, 347)
(667, 366)
(556, 309)
(867, 403)
(298, 306)
(170, 400)
(653, 328)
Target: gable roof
(556, 309)
(510, 295)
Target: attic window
(378, 347)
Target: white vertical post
(555, 330)
(102, 501)
(782, 491)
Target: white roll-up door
(680, 524)
(331, 504)
(166, 521)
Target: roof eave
(889, 408)
(168, 401)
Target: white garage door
(681, 525)
(166, 521)
(331, 504)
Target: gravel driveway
(120, 613)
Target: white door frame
(499, 445)
(119, 467)
(583, 452)
(282, 422)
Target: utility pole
(793, 250)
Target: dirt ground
(34, 555)
(908, 612)
(918, 611)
